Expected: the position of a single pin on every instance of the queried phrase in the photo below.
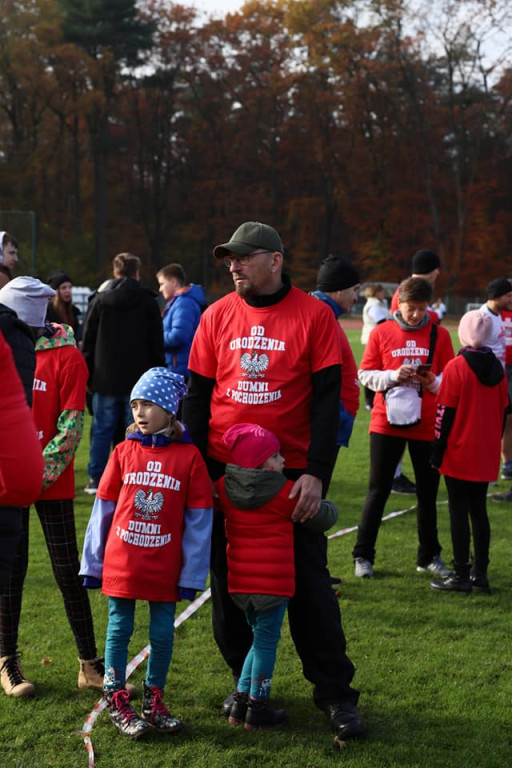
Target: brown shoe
(12, 678)
(91, 674)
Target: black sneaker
(344, 718)
(260, 715)
(238, 708)
(124, 716)
(453, 583)
(402, 484)
(481, 584)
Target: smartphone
(423, 368)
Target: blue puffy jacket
(180, 319)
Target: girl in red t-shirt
(148, 539)
(472, 402)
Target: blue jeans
(121, 615)
(108, 410)
(259, 663)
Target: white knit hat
(28, 297)
(475, 329)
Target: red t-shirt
(152, 487)
(390, 347)
(59, 385)
(350, 390)
(262, 360)
(506, 316)
(474, 442)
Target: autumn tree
(114, 38)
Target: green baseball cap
(249, 237)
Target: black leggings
(385, 453)
(10, 536)
(58, 523)
(468, 500)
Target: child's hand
(187, 593)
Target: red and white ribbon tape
(344, 531)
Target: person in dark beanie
(337, 286)
(337, 274)
(61, 308)
(425, 262)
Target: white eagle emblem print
(148, 505)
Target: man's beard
(244, 290)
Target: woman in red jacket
(21, 461)
(402, 363)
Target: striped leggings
(58, 523)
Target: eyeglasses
(242, 259)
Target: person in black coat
(122, 339)
(21, 341)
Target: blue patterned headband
(160, 386)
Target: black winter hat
(498, 287)
(336, 274)
(424, 262)
(57, 278)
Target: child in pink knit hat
(254, 497)
(471, 407)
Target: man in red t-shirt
(337, 286)
(264, 354)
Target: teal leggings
(259, 663)
(121, 614)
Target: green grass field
(434, 670)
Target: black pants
(385, 453)
(11, 527)
(467, 501)
(313, 614)
(58, 523)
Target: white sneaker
(363, 568)
(437, 567)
